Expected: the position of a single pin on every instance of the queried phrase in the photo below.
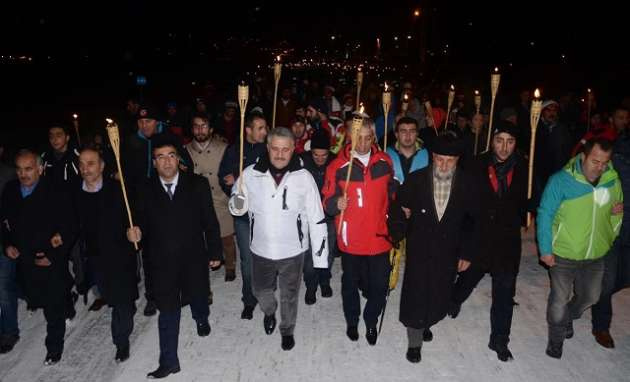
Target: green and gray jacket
(575, 218)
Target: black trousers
(55, 314)
(122, 323)
(503, 290)
(168, 325)
(370, 274)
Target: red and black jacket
(371, 189)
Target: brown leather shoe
(603, 338)
(97, 305)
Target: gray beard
(443, 176)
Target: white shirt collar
(99, 185)
(173, 182)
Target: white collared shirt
(99, 185)
(173, 182)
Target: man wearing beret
(441, 204)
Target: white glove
(238, 205)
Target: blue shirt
(26, 191)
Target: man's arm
(331, 190)
(551, 199)
(318, 230)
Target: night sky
(84, 56)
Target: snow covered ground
(238, 350)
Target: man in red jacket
(363, 239)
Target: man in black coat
(502, 175)
(111, 261)
(38, 230)
(61, 168)
(138, 167)
(180, 234)
(316, 160)
(441, 203)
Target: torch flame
(75, 116)
(406, 97)
(278, 58)
(537, 93)
(452, 88)
(496, 69)
(361, 109)
(588, 90)
(385, 85)
(109, 121)
(476, 92)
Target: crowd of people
(453, 210)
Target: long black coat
(116, 259)
(28, 224)
(435, 247)
(180, 237)
(501, 220)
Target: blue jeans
(575, 286)
(241, 227)
(8, 297)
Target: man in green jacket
(578, 219)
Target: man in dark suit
(180, 234)
(111, 261)
(37, 230)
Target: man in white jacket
(285, 211)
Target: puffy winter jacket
(364, 226)
(575, 218)
(285, 219)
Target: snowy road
(238, 350)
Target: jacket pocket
(299, 230)
(555, 237)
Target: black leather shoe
(370, 335)
(52, 358)
(413, 355)
(248, 313)
(288, 342)
(269, 323)
(453, 310)
(7, 343)
(150, 309)
(554, 350)
(503, 353)
(203, 328)
(310, 297)
(163, 372)
(122, 353)
(427, 335)
(353, 333)
(326, 291)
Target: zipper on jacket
(590, 243)
(556, 235)
(284, 199)
(299, 229)
(251, 230)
